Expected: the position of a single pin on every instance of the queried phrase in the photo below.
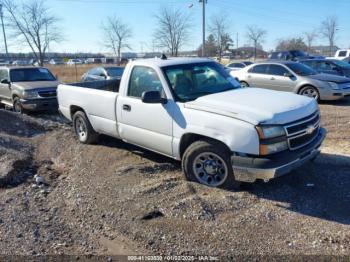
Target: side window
(92, 72)
(3, 74)
(277, 70)
(259, 69)
(239, 65)
(143, 79)
(324, 66)
(342, 54)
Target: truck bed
(106, 85)
(97, 99)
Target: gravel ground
(61, 197)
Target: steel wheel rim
(310, 92)
(244, 84)
(18, 107)
(80, 129)
(210, 169)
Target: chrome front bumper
(249, 170)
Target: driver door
(146, 125)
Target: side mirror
(288, 75)
(153, 97)
(5, 81)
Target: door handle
(127, 108)
(249, 76)
(272, 78)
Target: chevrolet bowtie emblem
(310, 130)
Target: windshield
(115, 71)
(301, 69)
(191, 81)
(31, 75)
(298, 53)
(342, 64)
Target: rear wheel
(310, 91)
(83, 129)
(208, 162)
(244, 84)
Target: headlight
(30, 94)
(270, 131)
(273, 148)
(272, 139)
(334, 86)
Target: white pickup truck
(192, 110)
(342, 54)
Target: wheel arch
(305, 85)
(189, 138)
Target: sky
(81, 20)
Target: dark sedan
(103, 73)
(328, 66)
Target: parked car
(293, 55)
(328, 66)
(294, 77)
(193, 111)
(28, 88)
(4, 62)
(74, 62)
(238, 65)
(56, 61)
(103, 73)
(20, 63)
(343, 54)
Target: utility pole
(203, 26)
(3, 30)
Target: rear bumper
(40, 104)
(249, 169)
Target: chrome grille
(303, 132)
(48, 93)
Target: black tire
(219, 152)
(244, 84)
(83, 129)
(303, 91)
(17, 105)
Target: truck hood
(330, 78)
(37, 84)
(257, 106)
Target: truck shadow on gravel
(144, 153)
(319, 189)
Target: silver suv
(28, 88)
(294, 77)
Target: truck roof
(170, 61)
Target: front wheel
(17, 105)
(83, 129)
(310, 91)
(208, 162)
(244, 84)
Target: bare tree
(117, 35)
(33, 23)
(256, 35)
(173, 29)
(310, 37)
(291, 44)
(219, 27)
(329, 30)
